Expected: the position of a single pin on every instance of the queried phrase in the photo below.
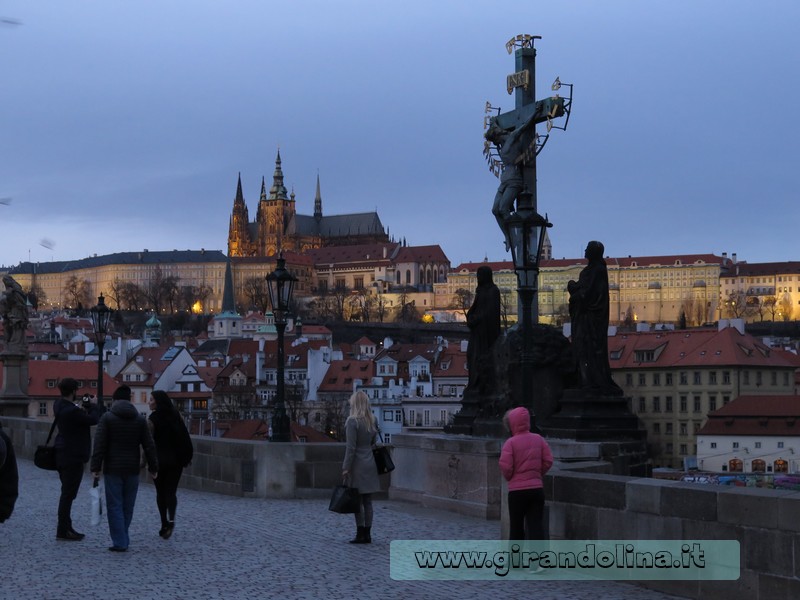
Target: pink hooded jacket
(526, 457)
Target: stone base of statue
(480, 415)
(14, 398)
(597, 427)
(460, 474)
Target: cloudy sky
(123, 125)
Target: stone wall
(766, 523)
(450, 472)
(234, 467)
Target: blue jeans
(120, 497)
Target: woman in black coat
(174, 447)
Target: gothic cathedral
(278, 227)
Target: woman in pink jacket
(524, 460)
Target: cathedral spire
(278, 190)
(228, 304)
(318, 202)
(239, 196)
(263, 189)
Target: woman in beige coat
(359, 465)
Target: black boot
(367, 535)
(359, 539)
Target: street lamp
(101, 315)
(280, 284)
(526, 232)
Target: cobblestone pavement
(227, 547)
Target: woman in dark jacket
(174, 447)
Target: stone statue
(483, 320)
(588, 310)
(513, 146)
(14, 309)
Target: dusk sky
(123, 125)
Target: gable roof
(342, 373)
(692, 348)
(40, 372)
(756, 416)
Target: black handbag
(45, 456)
(383, 458)
(344, 500)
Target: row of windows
(683, 428)
(697, 378)
(668, 405)
(756, 445)
(683, 449)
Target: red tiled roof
(757, 416)
(432, 253)
(342, 373)
(364, 341)
(363, 254)
(744, 269)
(40, 372)
(695, 347)
(454, 359)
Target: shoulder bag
(383, 458)
(45, 456)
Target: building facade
(675, 378)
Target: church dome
(152, 322)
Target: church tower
(274, 213)
(239, 243)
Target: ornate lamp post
(526, 232)
(101, 315)
(280, 284)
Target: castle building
(278, 226)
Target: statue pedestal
(449, 472)
(14, 398)
(600, 428)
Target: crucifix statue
(513, 133)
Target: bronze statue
(513, 146)
(14, 309)
(483, 320)
(588, 310)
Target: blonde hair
(361, 411)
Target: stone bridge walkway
(226, 547)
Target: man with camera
(73, 448)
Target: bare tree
(77, 292)
(505, 306)
(161, 290)
(294, 396)
(361, 304)
(255, 290)
(131, 296)
(786, 308)
(736, 305)
(380, 308)
(339, 295)
(770, 304)
(463, 300)
(36, 295)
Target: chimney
(733, 258)
(724, 255)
